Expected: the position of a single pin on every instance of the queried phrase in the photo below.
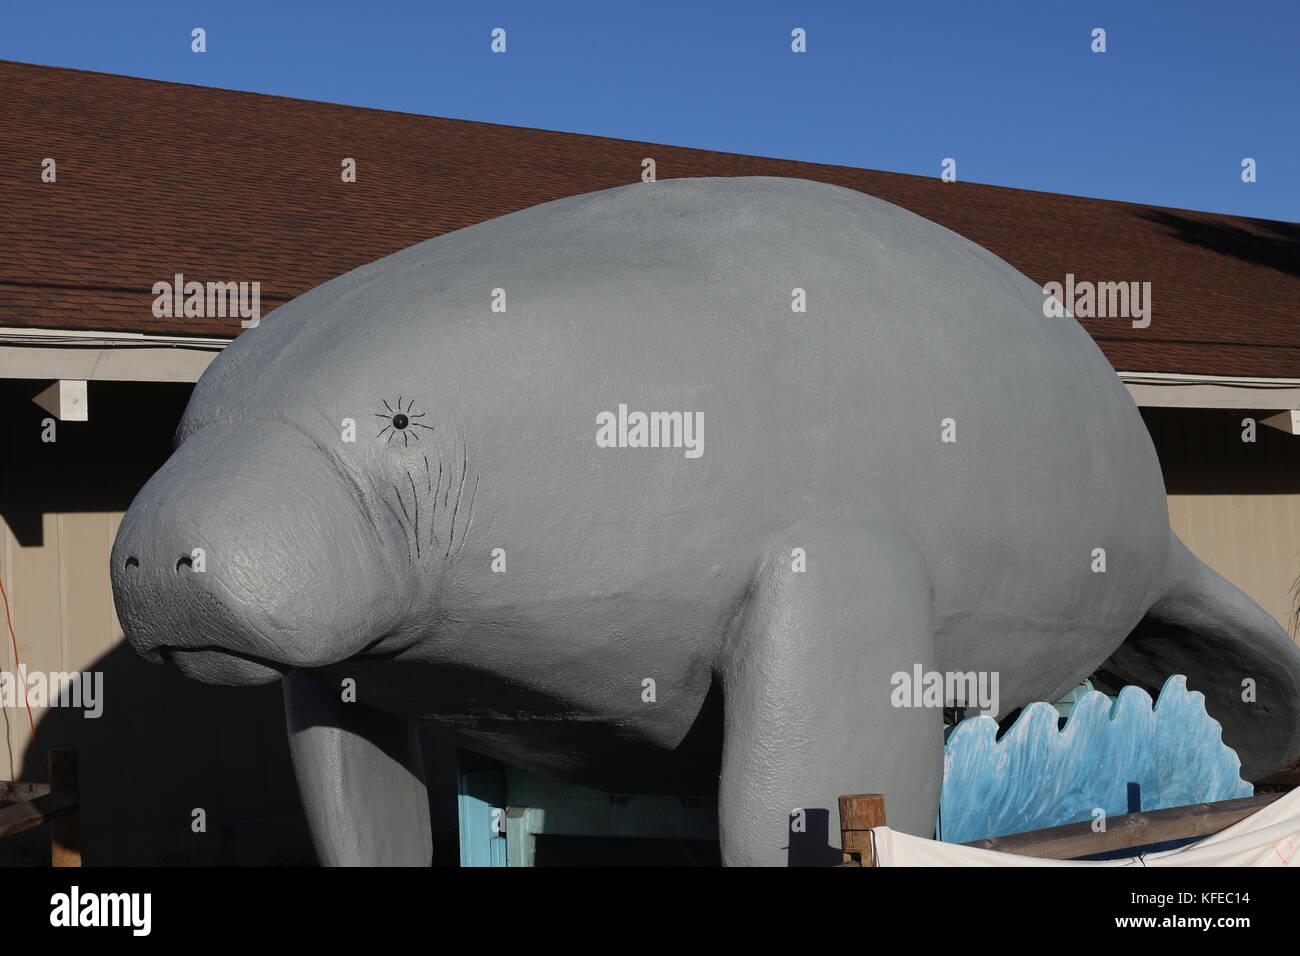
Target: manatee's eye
(399, 420)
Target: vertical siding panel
(1287, 478)
(1238, 460)
(1274, 521)
(165, 744)
(1194, 449)
(12, 759)
(1235, 505)
(1273, 539)
(1222, 540)
(1194, 470)
(1293, 485)
(1172, 450)
(1263, 538)
(84, 560)
(110, 730)
(38, 623)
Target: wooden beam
(1287, 779)
(16, 791)
(859, 813)
(1074, 840)
(65, 830)
(32, 813)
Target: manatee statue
(656, 490)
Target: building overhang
(62, 354)
(1176, 390)
(68, 355)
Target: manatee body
(404, 477)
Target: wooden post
(65, 830)
(858, 814)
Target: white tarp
(1269, 837)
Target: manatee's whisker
(464, 470)
(433, 523)
(405, 532)
(381, 433)
(421, 425)
(390, 508)
(386, 405)
(469, 521)
(416, 499)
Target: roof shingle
(157, 178)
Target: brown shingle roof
(157, 178)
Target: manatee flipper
(361, 777)
(1205, 628)
(806, 680)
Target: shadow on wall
(164, 746)
(1202, 452)
(92, 467)
(1255, 487)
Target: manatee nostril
(185, 560)
(132, 562)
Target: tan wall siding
(1236, 504)
(164, 745)
(62, 609)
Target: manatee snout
(249, 554)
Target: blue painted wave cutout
(1120, 755)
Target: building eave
(104, 356)
(50, 354)
(1178, 390)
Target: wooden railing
(859, 813)
(56, 803)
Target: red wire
(17, 666)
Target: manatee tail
(1231, 650)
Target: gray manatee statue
(658, 490)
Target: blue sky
(1010, 90)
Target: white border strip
(143, 357)
(105, 356)
(1175, 390)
